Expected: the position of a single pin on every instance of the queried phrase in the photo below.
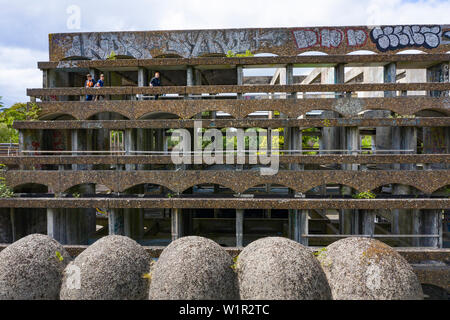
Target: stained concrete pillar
(72, 226)
(130, 146)
(79, 140)
(142, 79)
(403, 138)
(116, 223)
(6, 229)
(134, 223)
(177, 224)
(350, 219)
(384, 134)
(435, 140)
(240, 78)
(239, 227)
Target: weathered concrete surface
(113, 268)
(167, 159)
(367, 269)
(238, 181)
(31, 269)
(185, 109)
(234, 123)
(429, 264)
(280, 41)
(215, 89)
(403, 61)
(226, 203)
(280, 269)
(193, 268)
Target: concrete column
(240, 78)
(239, 227)
(367, 218)
(177, 224)
(348, 218)
(72, 226)
(142, 79)
(130, 146)
(116, 223)
(435, 140)
(134, 223)
(384, 134)
(6, 226)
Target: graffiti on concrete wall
(100, 45)
(281, 41)
(186, 44)
(329, 37)
(192, 44)
(398, 37)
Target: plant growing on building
(364, 195)
(231, 54)
(5, 190)
(111, 56)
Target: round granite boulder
(194, 268)
(276, 268)
(367, 269)
(31, 269)
(112, 268)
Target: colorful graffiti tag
(398, 37)
(329, 37)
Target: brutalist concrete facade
(90, 168)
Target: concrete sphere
(276, 268)
(367, 269)
(113, 268)
(194, 268)
(31, 269)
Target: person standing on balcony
(156, 82)
(100, 83)
(90, 83)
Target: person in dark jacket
(156, 82)
(100, 83)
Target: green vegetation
(5, 191)
(364, 195)
(111, 56)
(19, 112)
(59, 256)
(231, 54)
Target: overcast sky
(25, 25)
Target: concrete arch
(128, 190)
(168, 56)
(411, 51)
(31, 187)
(75, 58)
(264, 54)
(116, 115)
(212, 55)
(313, 53)
(434, 112)
(262, 185)
(214, 184)
(158, 115)
(59, 116)
(233, 113)
(357, 52)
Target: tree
(19, 112)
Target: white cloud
(24, 25)
(18, 72)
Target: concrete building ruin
(348, 123)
